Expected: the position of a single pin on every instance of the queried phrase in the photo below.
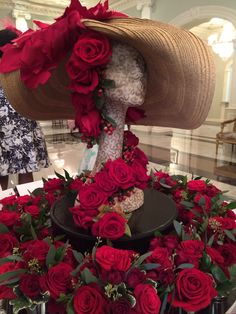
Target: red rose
(105, 182)
(92, 50)
(83, 103)
(6, 292)
(212, 190)
(83, 218)
(189, 251)
(33, 210)
(24, 200)
(8, 201)
(120, 306)
(57, 280)
(114, 277)
(140, 174)
(148, 301)
(35, 249)
(29, 285)
(135, 276)
(160, 256)
(140, 156)
(113, 259)
(53, 184)
(215, 256)
(85, 82)
(9, 218)
(75, 185)
(89, 124)
(89, 299)
(228, 251)
(196, 186)
(166, 277)
(7, 243)
(194, 290)
(50, 197)
(121, 173)
(110, 226)
(206, 201)
(134, 114)
(130, 140)
(91, 197)
(226, 223)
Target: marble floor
(173, 150)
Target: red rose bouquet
(185, 269)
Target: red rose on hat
(194, 290)
(92, 50)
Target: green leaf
(131, 299)
(88, 277)
(33, 233)
(218, 273)
(19, 304)
(10, 258)
(164, 303)
(59, 175)
(9, 282)
(3, 228)
(231, 205)
(205, 261)
(211, 240)
(67, 175)
(150, 266)
(187, 204)
(127, 230)
(230, 235)
(70, 307)
(178, 228)
(185, 265)
(50, 259)
(78, 256)
(141, 259)
(202, 201)
(11, 274)
(198, 178)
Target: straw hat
(180, 76)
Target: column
(231, 109)
(145, 6)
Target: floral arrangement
(37, 53)
(185, 268)
(100, 197)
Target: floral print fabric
(22, 145)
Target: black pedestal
(157, 213)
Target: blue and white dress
(22, 145)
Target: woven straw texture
(180, 76)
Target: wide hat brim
(180, 76)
